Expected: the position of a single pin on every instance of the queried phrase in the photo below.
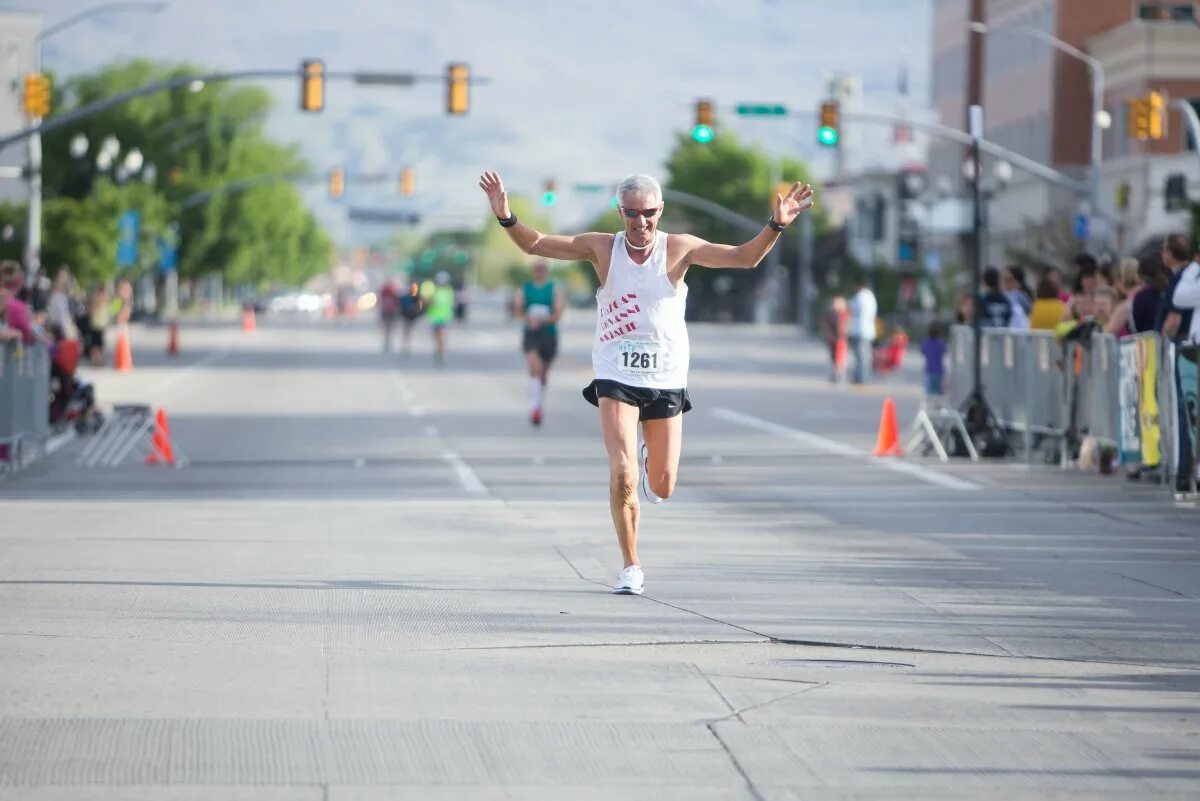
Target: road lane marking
(466, 475)
(55, 443)
(841, 449)
(169, 381)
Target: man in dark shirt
(1176, 325)
(995, 307)
(1176, 321)
(1143, 312)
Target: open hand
(491, 184)
(788, 207)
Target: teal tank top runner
(539, 302)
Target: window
(1190, 138)
(1165, 10)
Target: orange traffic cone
(888, 443)
(172, 338)
(161, 443)
(123, 358)
(248, 324)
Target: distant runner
(441, 313)
(640, 352)
(540, 304)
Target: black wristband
(508, 223)
(775, 226)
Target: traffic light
(1148, 117)
(1157, 104)
(457, 76)
(1139, 119)
(312, 85)
(337, 182)
(550, 195)
(829, 132)
(36, 100)
(407, 182)
(702, 131)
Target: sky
(581, 92)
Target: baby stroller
(72, 400)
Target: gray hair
(638, 186)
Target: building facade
(1038, 103)
(18, 35)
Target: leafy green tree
(85, 232)
(199, 143)
(739, 178)
(498, 258)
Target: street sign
(383, 216)
(761, 110)
(168, 249)
(128, 226)
(1081, 226)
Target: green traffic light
(702, 133)
(827, 136)
(549, 198)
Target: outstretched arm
(531, 241)
(787, 208)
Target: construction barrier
(24, 403)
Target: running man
(640, 352)
(540, 304)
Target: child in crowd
(934, 350)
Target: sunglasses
(633, 214)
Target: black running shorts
(655, 404)
(542, 342)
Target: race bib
(537, 311)
(639, 357)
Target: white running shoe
(630, 581)
(646, 491)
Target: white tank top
(641, 337)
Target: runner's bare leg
(618, 422)
(664, 442)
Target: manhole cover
(851, 664)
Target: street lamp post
(1100, 120)
(33, 239)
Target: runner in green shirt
(540, 304)
(441, 312)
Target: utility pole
(978, 415)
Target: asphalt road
(374, 580)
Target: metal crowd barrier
(1188, 370)
(1125, 394)
(24, 403)
(1023, 382)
